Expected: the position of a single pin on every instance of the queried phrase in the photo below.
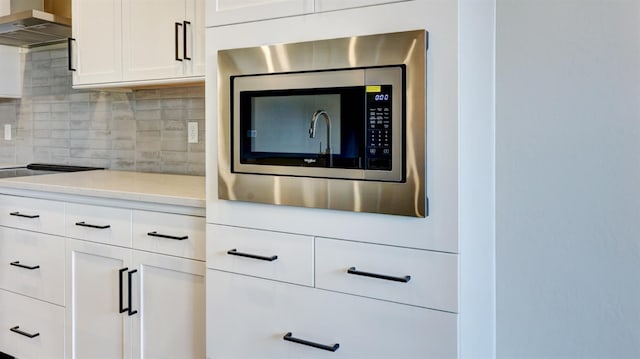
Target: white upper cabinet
(11, 70)
(224, 12)
(137, 42)
(96, 46)
(331, 5)
(164, 39)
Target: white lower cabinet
(30, 328)
(258, 318)
(123, 303)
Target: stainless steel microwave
(344, 123)
(336, 124)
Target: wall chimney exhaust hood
(28, 23)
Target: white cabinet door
(97, 289)
(96, 51)
(153, 45)
(195, 49)
(170, 299)
(331, 5)
(223, 12)
(11, 70)
(250, 317)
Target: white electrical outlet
(192, 132)
(7, 132)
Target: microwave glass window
(281, 124)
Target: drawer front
(30, 328)
(32, 214)
(99, 224)
(411, 276)
(172, 234)
(32, 264)
(252, 316)
(273, 255)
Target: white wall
(568, 178)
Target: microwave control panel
(379, 139)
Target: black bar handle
(234, 252)
(177, 238)
(70, 40)
(404, 279)
(290, 338)
(16, 329)
(18, 214)
(184, 39)
(177, 25)
(83, 224)
(130, 275)
(17, 264)
(121, 308)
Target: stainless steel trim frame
(407, 198)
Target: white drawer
(32, 214)
(411, 276)
(273, 255)
(99, 224)
(32, 264)
(173, 234)
(252, 316)
(30, 328)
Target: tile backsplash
(142, 130)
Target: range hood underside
(33, 28)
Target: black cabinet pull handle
(18, 214)
(83, 224)
(404, 279)
(290, 338)
(177, 26)
(70, 40)
(17, 264)
(121, 308)
(184, 39)
(16, 329)
(234, 252)
(130, 275)
(177, 238)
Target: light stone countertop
(182, 190)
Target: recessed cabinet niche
(136, 42)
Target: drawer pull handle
(177, 238)
(404, 279)
(83, 224)
(16, 329)
(30, 216)
(17, 264)
(234, 252)
(290, 338)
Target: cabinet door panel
(99, 224)
(431, 282)
(170, 300)
(249, 317)
(331, 5)
(31, 317)
(223, 12)
(152, 39)
(95, 326)
(165, 233)
(97, 30)
(32, 264)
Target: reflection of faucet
(312, 131)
